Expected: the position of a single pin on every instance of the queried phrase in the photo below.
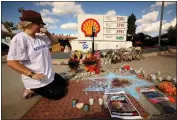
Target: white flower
(138, 71)
(109, 61)
(160, 78)
(168, 78)
(143, 72)
(82, 74)
(158, 72)
(131, 68)
(104, 53)
(153, 77)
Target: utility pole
(161, 18)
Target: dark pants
(55, 90)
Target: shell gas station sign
(87, 27)
(107, 28)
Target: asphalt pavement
(14, 107)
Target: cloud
(168, 12)
(148, 23)
(43, 3)
(50, 20)
(143, 11)
(148, 18)
(63, 8)
(3, 28)
(47, 18)
(51, 26)
(44, 12)
(111, 13)
(158, 4)
(69, 26)
(74, 35)
(150, 28)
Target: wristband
(31, 75)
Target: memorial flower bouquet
(91, 63)
(92, 60)
(73, 64)
(167, 87)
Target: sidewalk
(15, 107)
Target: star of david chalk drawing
(103, 84)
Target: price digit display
(120, 31)
(119, 38)
(120, 25)
(120, 19)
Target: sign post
(93, 35)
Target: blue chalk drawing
(131, 89)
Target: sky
(61, 17)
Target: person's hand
(43, 30)
(38, 76)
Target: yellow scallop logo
(87, 27)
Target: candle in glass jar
(100, 101)
(91, 101)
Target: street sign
(111, 26)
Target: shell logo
(87, 27)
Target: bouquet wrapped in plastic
(73, 64)
(91, 63)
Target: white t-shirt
(35, 55)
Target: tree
(131, 24)
(171, 33)
(138, 38)
(9, 26)
(20, 10)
